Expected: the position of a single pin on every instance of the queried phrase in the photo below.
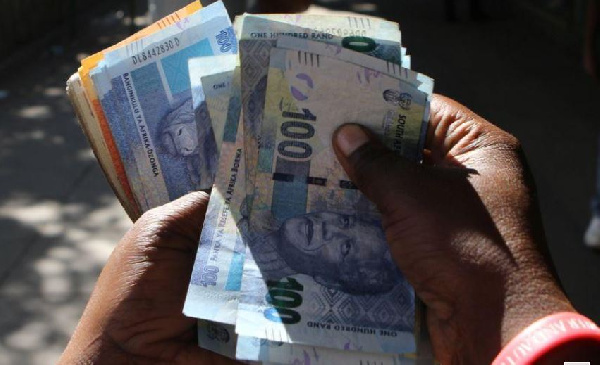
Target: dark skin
(135, 312)
(464, 229)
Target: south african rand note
(214, 92)
(318, 270)
(214, 287)
(84, 112)
(222, 339)
(258, 349)
(341, 53)
(96, 126)
(375, 37)
(424, 83)
(119, 99)
(150, 82)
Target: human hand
(135, 312)
(464, 228)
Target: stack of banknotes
(292, 264)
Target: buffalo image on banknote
(182, 137)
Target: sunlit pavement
(59, 220)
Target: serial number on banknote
(156, 51)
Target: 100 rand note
(422, 82)
(216, 92)
(318, 270)
(150, 82)
(215, 283)
(372, 36)
(221, 337)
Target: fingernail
(349, 138)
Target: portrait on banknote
(339, 251)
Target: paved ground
(59, 220)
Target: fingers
(454, 131)
(183, 218)
(377, 172)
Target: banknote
(214, 287)
(318, 270)
(222, 339)
(423, 83)
(150, 90)
(341, 53)
(375, 37)
(114, 114)
(214, 92)
(224, 100)
(258, 349)
(94, 120)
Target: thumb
(388, 180)
(182, 218)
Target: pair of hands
(464, 229)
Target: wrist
(552, 338)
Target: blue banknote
(375, 37)
(214, 287)
(318, 270)
(216, 93)
(115, 114)
(222, 339)
(151, 93)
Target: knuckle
(155, 222)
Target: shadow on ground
(59, 220)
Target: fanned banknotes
(312, 233)
(144, 91)
(292, 265)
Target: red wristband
(545, 335)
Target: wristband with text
(546, 334)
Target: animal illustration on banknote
(180, 137)
(341, 252)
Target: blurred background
(520, 64)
